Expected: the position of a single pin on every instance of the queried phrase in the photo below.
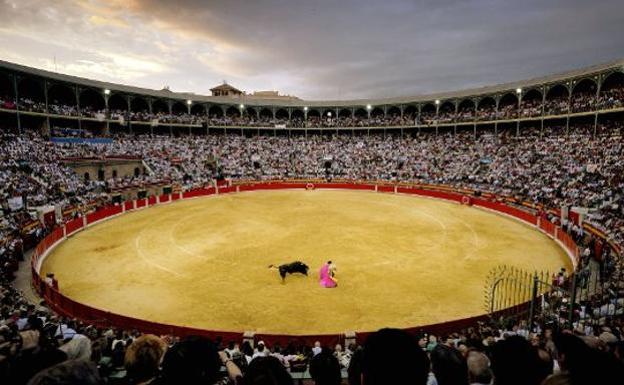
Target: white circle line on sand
(141, 254)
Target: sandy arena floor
(402, 261)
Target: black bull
(291, 268)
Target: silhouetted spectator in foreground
(143, 358)
(584, 365)
(449, 366)
(515, 362)
(392, 356)
(267, 371)
(72, 372)
(325, 369)
(479, 372)
(192, 361)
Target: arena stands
(550, 145)
(551, 170)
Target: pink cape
(325, 278)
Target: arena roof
(559, 78)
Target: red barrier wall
(103, 213)
(198, 193)
(73, 225)
(68, 307)
(548, 227)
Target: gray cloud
(315, 49)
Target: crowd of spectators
(581, 101)
(551, 169)
(39, 347)
(7, 103)
(613, 98)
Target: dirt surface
(402, 261)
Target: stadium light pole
(368, 109)
(107, 109)
(188, 105)
(519, 93)
(305, 113)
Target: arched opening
(486, 109)
(584, 96)
(139, 110)
(117, 103)
(314, 114)
(137, 172)
(87, 177)
(328, 113)
(531, 104)
(114, 173)
(62, 100)
(297, 115)
(179, 108)
(7, 94)
(410, 112)
(612, 91)
(466, 111)
(557, 100)
(160, 106)
(613, 81)
(394, 112)
(377, 113)
(232, 112)
(31, 95)
(428, 113)
(101, 174)
(360, 113)
(138, 104)
(446, 114)
(91, 102)
(314, 118)
(266, 114)
(215, 112)
(344, 113)
(508, 106)
(250, 112)
(281, 114)
(198, 109)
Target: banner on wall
(58, 212)
(15, 203)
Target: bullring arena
(403, 261)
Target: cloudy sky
(314, 49)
